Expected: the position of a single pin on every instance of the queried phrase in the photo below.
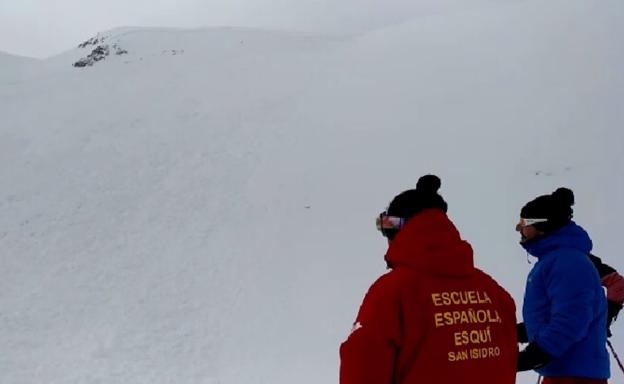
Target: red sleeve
(369, 354)
(614, 283)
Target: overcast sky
(41, 28)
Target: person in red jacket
(434, 317)
(614, 285)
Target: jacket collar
(570, 236)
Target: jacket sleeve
(369, 353)
(569, 285)
(614, 283)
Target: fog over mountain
(41, 28)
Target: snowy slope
(207, 216)
(16, 68)
(12, 61)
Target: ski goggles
(527, 222)
(387, 223)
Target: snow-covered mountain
(16, 68)
(201, 208)
(8, 60)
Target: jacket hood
(430, 242)
(570, 236)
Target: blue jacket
(564, 306)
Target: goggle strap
(527, 222)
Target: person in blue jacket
(564, 307)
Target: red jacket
(434, 318)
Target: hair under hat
(556, 208)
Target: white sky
(41, 28)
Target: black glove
(532, 357)
(523, 337)
(613, 309)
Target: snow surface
(207, 216)
(16, 68)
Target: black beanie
(412, 201)
(556, 207)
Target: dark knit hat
(412, 201)
(556, 207)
